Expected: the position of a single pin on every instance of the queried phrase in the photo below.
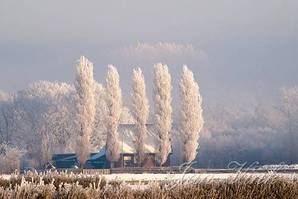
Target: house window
(128, 160)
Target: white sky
(239, 48)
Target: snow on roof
(126, 136)
(101, 152)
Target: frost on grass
(63, 185)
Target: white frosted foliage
(140, 111)
(163, 109)
(85, 106)
(114, 109)
(191, 119)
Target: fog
(242, 53)
(244, 48)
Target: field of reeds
(63, 185)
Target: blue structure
(69, 160)
(128, 153)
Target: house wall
(149, 161)
(125, 160)
(129, 160)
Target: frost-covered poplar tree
(191, 119)
(85, 105)
(163, 109)
(114, 109)
(140, 111)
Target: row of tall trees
(40, 120)
(52, 118)
(191, 111)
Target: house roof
(101, 152)
(126, 136)
(126, 139)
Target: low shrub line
(63, 185)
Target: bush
(62, 185)
(58, 180)
(10, 158)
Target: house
(127, 152)
(127, 148)
(69, 160)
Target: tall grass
(62, 185)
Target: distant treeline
(264, 132)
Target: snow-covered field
(128, 177)
(4, 176)
(280, 166)
(189, 176)
(226, 185)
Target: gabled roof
(126, 134)
(101, 153)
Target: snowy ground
(280, 166)
(146, 177)
(4, 176)
(189, 176)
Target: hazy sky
(241, 48)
